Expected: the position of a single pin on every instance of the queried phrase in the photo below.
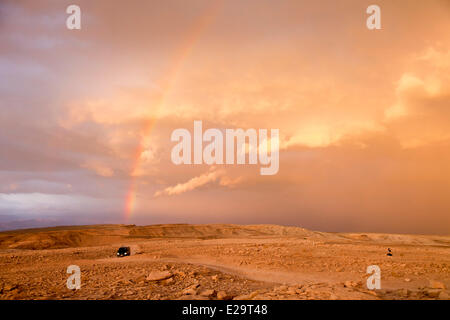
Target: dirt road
(220, 262)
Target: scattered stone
(432, 293)
(191, 290)
(444, 295)
(215, 278)
(333, 296)
(168, 281)
(436, 285)
(192, 297)
(208, 293)
(291, 290)
(222, 295)
(249, 296)
(9, 287)
(350, 284)
(158, 275)
(405, 292)
(280, 288)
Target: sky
(86, 116)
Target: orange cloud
(194, 183)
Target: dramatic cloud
(86, 116)
(197, 182)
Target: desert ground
(209, 262)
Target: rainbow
(192, 36)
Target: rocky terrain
(220, 262)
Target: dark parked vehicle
(123, 251)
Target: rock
(208, 293)
(333, 296)
(432, 293)
(190, 291)
(382, 292)
(192, 297)
(405, 292)
(158, 275)
(222, 295)
(350, 284)
(9, 287)
(407, 280)
(444, 295)
(215, 278)
(436, 285)
(280, 288)
(249, 296)
(168, 281)
(137, 250)
(291, 290)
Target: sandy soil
(220, 262)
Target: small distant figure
(389, 252)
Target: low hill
(95, 235)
